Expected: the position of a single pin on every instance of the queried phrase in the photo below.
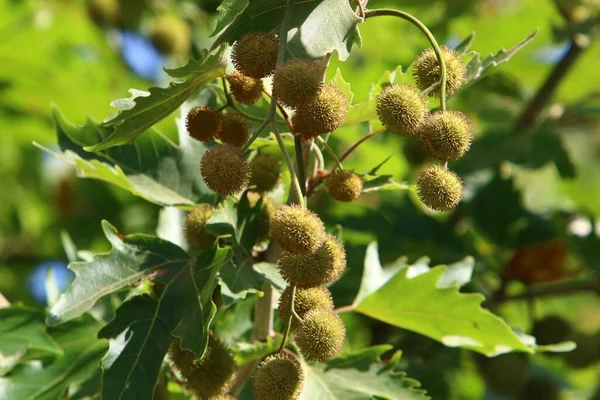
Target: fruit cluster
(445, 135)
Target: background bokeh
(530, 216)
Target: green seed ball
(323, 115)
(344, 185)
(447, 135)
(235, 130)
(401, 109)
(266, 172)
(224, 170)
(203, 123)
(171, 35)
(195, 228)
(305, 300)
(278, 377)
(245, 89)
(320, 335)
(297, 230)
(439, 189)
(255, 54)
(211, 375)
(309, 270)
(297, 83)
(104, 12)
(427, 70)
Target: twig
(329, 150)
(359, 142)
(548, 290)
(288, 327)
(290, 166)
(300, 165)
(345, 309)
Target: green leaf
(316, 27)
(154, 168)
(132, 258)
(144, 109)
(49, 380)
(22, 328)
(359, 376)
(443, 314)
(143, 328)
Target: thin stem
(288, 326)
(330, 151)
(290, 166)
(318, 155)
(231, 103)
(300, 165)
(256, 134)
(358, 143)
(344, 309)
(224, 106)
(548, 290)
(436, 48)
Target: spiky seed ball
(297, 83)
(235, 130)
(104, 12)
(211, 375)
(318, 268)
(195, 228)
(278, 377)
(223, 397)
(344, 185)
(320, 335)
(305, 300)
(439, 189)
(245, 89)
(203, 123)
(171, 35)
(297, 230)
(323, 115)
(224, 170)
(266, 171)
(255, 54)
(427, 70)
(401, 109)
(447, 135)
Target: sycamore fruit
(315, 269)
(224, 170)
(305, 300)
(427, 70)
(297, 230)
(278, 377)
(235, 130)
(439, 188)
(245, 89)
(298, 83)
(401, 109)
(323, 115)
(320, 335)
(171, 35)
(195, 228)
(255, 54)
(344, 185)
(104, 12)
(211, 375)
(203, 123)
(447, 135)
(266, 171)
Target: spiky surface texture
(315, 269)
(297, 83)
(278, 377)
(297, 230)
(323, 115)
(266, 171)
(344, 185)
(401, 109)
(439, 189)
(320, 335)
(195, 228)
(224, 170)
(104, 12)
(235, 130)
(210, 376)
(203, 123)
(305, 300)
(447, 135)
(427, 70)
(171, 35)
(255, 54)
(245, 89)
